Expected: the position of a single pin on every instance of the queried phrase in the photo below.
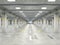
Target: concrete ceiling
(30, 11)
(29, 2)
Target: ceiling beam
(30, 4)
(6, 10)
(52, 11)
(29, 10)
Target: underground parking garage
(30, 22)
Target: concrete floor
(29, 35)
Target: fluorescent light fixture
(37, 14)
(44, 8)
(40, 11)
(18, 8)
(21, 11)
(51, 0)
(11, 0)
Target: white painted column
(0, 21)
(12, 22)
(4, 21)
(47, 22)
(15, 21)
(59, 24)
(56, 23)
(19, 23)
(44, 21)
(40, 21)
(52, 22)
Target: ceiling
(30, 8)
(29, 2)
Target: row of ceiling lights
(15, 0)
(35, 16)
(41, 8)
(39, 11)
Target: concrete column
(19, 23)
(4, 21)
(0, 21)
(12, 22)
(59, 24)
(52, 22)
(47, 22)
(56, 23)
(40, 21)
(44, 23)
(16, 21)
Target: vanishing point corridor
(29, 22)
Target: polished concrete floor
(28, 35)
